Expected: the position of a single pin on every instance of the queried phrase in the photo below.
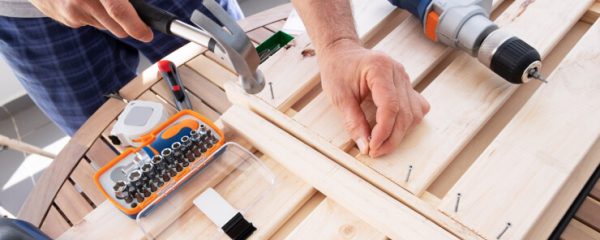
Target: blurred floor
(21, 119)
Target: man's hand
(351, 74)
(117, 16)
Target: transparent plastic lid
(228, 167)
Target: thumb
(356, 124)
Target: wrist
(337, 45)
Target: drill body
(465, 25)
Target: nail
(362, 145)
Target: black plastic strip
(238, 228)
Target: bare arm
(351, 74)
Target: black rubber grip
(238, 228)
(158, 19)
(512, 58)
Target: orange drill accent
(431, 25)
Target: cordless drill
(465, 25)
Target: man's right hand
(117, 16)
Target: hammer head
(232, 39)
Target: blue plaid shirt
(68, 72)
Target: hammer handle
(154, 17)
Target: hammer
(223, 38)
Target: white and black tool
(222, 214)
(137, 120)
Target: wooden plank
(266, 17)
(237, 96)
(525, 178)
(298, 216)
(596, 191)
(330, 221)
(150, 76)
(260, 35)
(467, 94)
(100, 153)
(211, 70)
(83, 177)
(55, 224)
(289, 62)
(589, 213)
(350, 191)
(578, 231)
(276, 26)
(37, 203)
(569, 191)
(270, 212)
(206, 90)
(71, 203)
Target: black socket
(513, 58)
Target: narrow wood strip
(534, 155)
(589, 213)
(276, 26)
(83, 177)
(330, 221)
(578, 231)
(353, 193)
(260, 35)
(55, 224)
(268, 214)
(211, 70)
(467, 94)
(71, 203)
(266, 17)
(100, 153)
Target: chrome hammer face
(236, 44)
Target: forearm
(327, 21)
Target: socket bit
(172, 172)
(139, 197)
(153, 188)
(148, 170)
(166, 176)
(147, 192)
(120, 189)
(185, 164)
(185, 143)
(202, 129)
(167, 155)
(158, 162)
(178, 168)
(133, 205)
(134, 177)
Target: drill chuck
(510, 57)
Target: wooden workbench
(516, 154)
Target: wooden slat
(298, 216)
(100, 153)
(211, 70)
(330, 221)
(83, 177)
(279, 68)
(276, 26)
(596, 191)
(236, 95)
(527, 164)
(38, 202)
(207, 91)
(466, 94)
(55, 224)
(260, 35)
(278, 204)
(266, 17)
(589, 213)
(71, 203)
(579, 231)
(354, 194)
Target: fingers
(107, 23)
(125, 15)
(355, 121)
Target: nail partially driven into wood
(508, 224)
(408, 174)
(458, 195)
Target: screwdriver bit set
(178, 147)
